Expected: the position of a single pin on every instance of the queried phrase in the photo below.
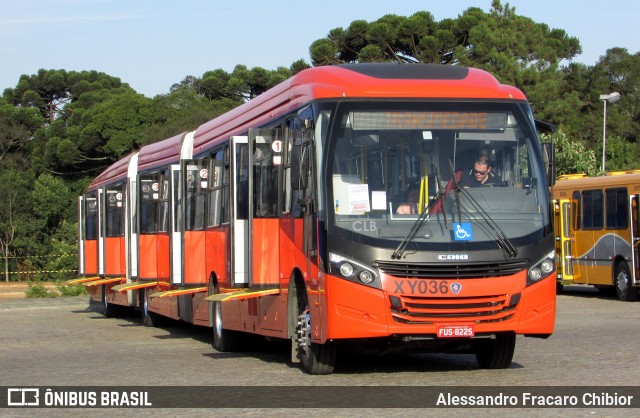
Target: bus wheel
(496, 353)
(622, 283)
(109, 310)
(149, 319)
(315, 358)
(224, 340)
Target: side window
(617, 208)
(163, 202)
(592, 209)
(242, 181)
(197, 174)
(216, 170)
(575, 207)
(267, 154)
(290, 133)
(226, 186)
(91, 216)
(297, 181)
(115, 211)
(149, 195)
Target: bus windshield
(477, 163)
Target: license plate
(455, 331)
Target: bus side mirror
(549, 157)
(548, 150)
(299, 167)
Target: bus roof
(160, 154)
(115, 173)
(618, 178)
(375, 80)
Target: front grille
(451, 270)
(421, 310)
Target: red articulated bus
(282, 218)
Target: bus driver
(480, 175)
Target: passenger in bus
(410, 206)
(480, 175)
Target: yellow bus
(597, 228)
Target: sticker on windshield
(463, 231)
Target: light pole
(610, 98)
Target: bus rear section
(597, 232)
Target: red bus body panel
(90, 257)
(149, 257)
(115, 264)
(266, 252)
(195, 263)
(357, 311)
(218, 257)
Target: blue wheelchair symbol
(463, 231)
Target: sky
(153, 44)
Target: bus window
(616, 208)
(163, 203)
(575, 202)
(216, 167)
(115, 211)
(91, 214)
(242, 181)
(592, 205)
(226, 189)
(149, 195)
(196, 189)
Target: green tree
(617, 70)
(17, 127)
(50, 91)
(14, 216)
(571, 157)
(101, 126)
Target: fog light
(346, 269)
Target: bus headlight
(346, 269)
(541, 269)
(352, 270)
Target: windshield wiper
(500, 237)
(424, 215)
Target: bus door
(101, 232)
(114, 238)
(563, 240)
(240, 250)
(81, 235)
(634, 210)
(130, 226)
(266, 152)
(89, 220)
(175, 225)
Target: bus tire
(224, 340)
(496, 353)
(149, 319)
(622, 283)
(315, 358)
(109, 310)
